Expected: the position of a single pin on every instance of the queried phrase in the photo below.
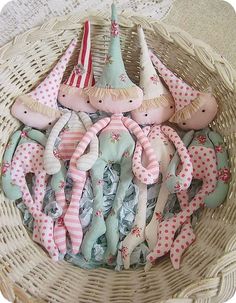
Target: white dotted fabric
(20, 15)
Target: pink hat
(43, 99)
(187, 99)
(82, 75)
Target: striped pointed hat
(114, 79)
(155, 93)
(82, 75)
(187, 99)
(43, 99)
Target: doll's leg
(186, 236)
(151, 231)
(43, 224)
(58, 185)
(169, 227)
(112, 221)
(97, 227)
(71, 219)
(136, 235)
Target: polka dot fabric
(28, 158)
(46, 93)
(182, 93)
(204, 168)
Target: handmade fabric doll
(70, 129)
(194, 110)
(157, 108)
(36, 109)
(114, 93)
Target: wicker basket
(208, 272)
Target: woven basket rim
(214, 62)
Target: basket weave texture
(208, 272)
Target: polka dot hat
(43, 98)
(186, 98)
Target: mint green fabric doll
(114, 93)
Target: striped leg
(71, 219)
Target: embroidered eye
(100, 101)
(203, 111)
(145, 115)
(25, 112)
(130, 101)
(184, 123)
(88, 101)
(50, 123)
(171, 106)
(63, 96)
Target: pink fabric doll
(70, 129)
(37, 109)
(194, 110)
(157, 108)
(114, 93)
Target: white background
(2, 3)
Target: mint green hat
(114, 79)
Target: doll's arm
(150, 174)
(218, 196)
(52, 165)
(183, 180)
(11, 191)
(87, 161)
(37, 136)
(90, 134)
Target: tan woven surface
(212, 21)
(208, 272)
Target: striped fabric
(78, 176)
(82, 75)
(145, 175)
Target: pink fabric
(67, 146)
(28, 158)
(186, 236)
(71, 219)
(205, 169)
(186, 171)
(150, 174)
(47, 91)
(182, 93)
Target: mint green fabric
(114, 74)
(121, 147)
(11, 190)
(218, 196)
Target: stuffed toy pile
(109, 173)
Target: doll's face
(154, 115)
(30, 117)
(203, 116)
(118, 106)
(76, 100)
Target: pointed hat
(187, 99)
(43, 99)
(155, 93)
(82, 75)
(114, 79)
